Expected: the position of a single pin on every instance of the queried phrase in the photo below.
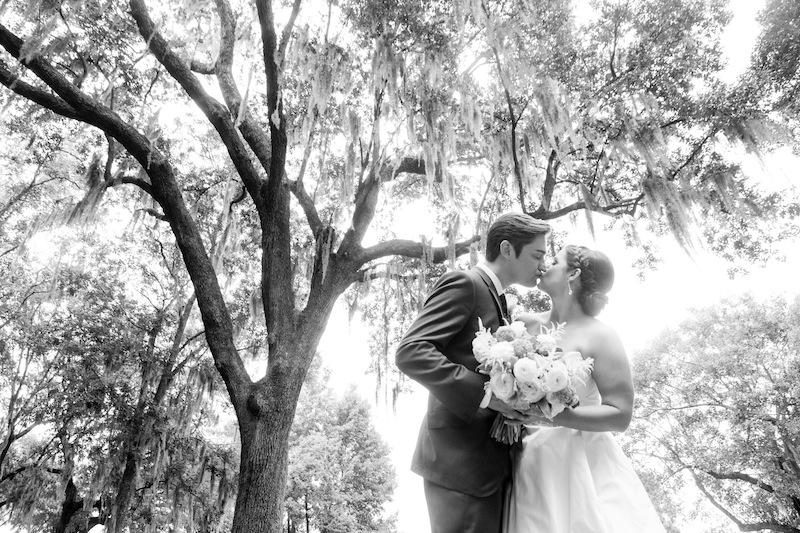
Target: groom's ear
(507, 249)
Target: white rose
(503, 351)
(530, 392)
(518, 328)
(546, 343)
(527, 371)
(556, 376)
(482, 346)
(502, 385)
(522, 347)
(505, 333)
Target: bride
(572, 477)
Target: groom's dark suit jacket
(454, 448)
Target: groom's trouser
(456, 512)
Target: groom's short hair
(517, 228)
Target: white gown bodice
(588, 392)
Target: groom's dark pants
(456, 512)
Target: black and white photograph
(399, 266)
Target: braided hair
(597, 277)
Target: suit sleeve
(449, 307)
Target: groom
(464, 469)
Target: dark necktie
(503, 306)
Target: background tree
(716, 409)
(776, 58)
(340, 475)
(101, 342)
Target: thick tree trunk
(263, 469)
(265, 430)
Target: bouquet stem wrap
(506, 431)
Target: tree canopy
(717, 410)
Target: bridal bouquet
(526, 371)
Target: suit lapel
(488, 281)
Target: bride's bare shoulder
(534, 320)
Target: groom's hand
(535, 417)
(505, 410)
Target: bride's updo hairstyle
(597, 277)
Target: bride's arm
(612, 375)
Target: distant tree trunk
(71, 505)
(145, 415)
(134, 446)
(308, 525)
(125, 491)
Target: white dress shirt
(492, 276)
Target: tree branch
(614, 47)
(673, 122)
(410, 165)
(269, 42)
(549, 182)
(739, 476)
(514, 121)
(215, 112)
(87, 110)
(132, 180)
(277, 292)
(167, 193)
(407, 248)
(694, 153)
(202, 68)
(35, 94)
(307, 203)
(287, 31)
(366, 202)
(756, 526)
(14, 473)
(550, 215)
(366, 199)
(370, 274)
(253, 133)
(155, 214)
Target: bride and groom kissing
(568, 475)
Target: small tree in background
(717, 409)
(340, 472)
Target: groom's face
(526, 268)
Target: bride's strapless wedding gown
(571, 481)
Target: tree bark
(125, 491)
(72, 504)
(264, 466)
